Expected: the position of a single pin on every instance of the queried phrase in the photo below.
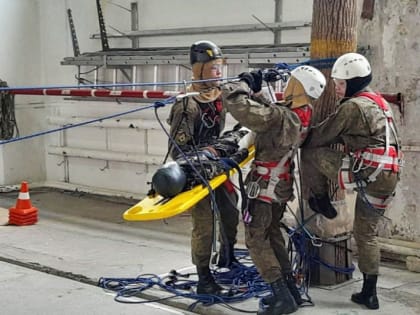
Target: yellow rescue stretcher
(157, 207)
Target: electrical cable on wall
(8, 124)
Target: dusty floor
(53, 267)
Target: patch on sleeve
(181, 138)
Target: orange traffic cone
(23, 213)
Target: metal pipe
(134, 23)
(128, 157)
(213, 29)
(106, 93)
(140, 124)
(134, 76)
(278, 16)
(98, 93)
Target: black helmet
(204, 51)
(169, 180)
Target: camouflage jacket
(277, 127)
(195, 123)
(358, 123)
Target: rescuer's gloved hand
(253, 79)
(273, 75)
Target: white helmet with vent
(312, 80)
(349, 66)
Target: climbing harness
(387, 158)
(274, 171)
(381, 155)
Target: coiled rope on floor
(242, 279)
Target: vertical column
(134, 23)
(278, 16)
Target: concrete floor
(53, 267)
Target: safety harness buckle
(253, 190)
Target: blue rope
(242, 279)
(308, 258)
(325, 63)
(38, 134)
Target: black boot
(282, 301)
(207, 284)
(226, 256)
(291, 285)
(368, 295)
(322, 204)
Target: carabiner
(253, 189)
(316, 241)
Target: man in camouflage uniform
(280, 129)
(195, 121)
(364, 124)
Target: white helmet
(349, 66)
(312, 80)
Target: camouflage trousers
(265, 240)
(202, 221)
(322, 164)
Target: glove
(253, 79)
(273, 75)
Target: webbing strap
(389, 124)
(379, 203)
(267, 194)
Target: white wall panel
(127, 140)
(20, 64)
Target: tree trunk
(333, 34)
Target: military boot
(207, 284)
(291, 285)
(322, 204)
(368, 295)
(282, 301)
(226, 256)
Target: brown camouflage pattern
(277, 130)
(202, 221)
(202, 214)
(357, 124)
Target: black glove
(253, 79)
(273, 75)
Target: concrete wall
(37, 39)
(131, 179)
(165, 14)
(393, 36)
(20, 64)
